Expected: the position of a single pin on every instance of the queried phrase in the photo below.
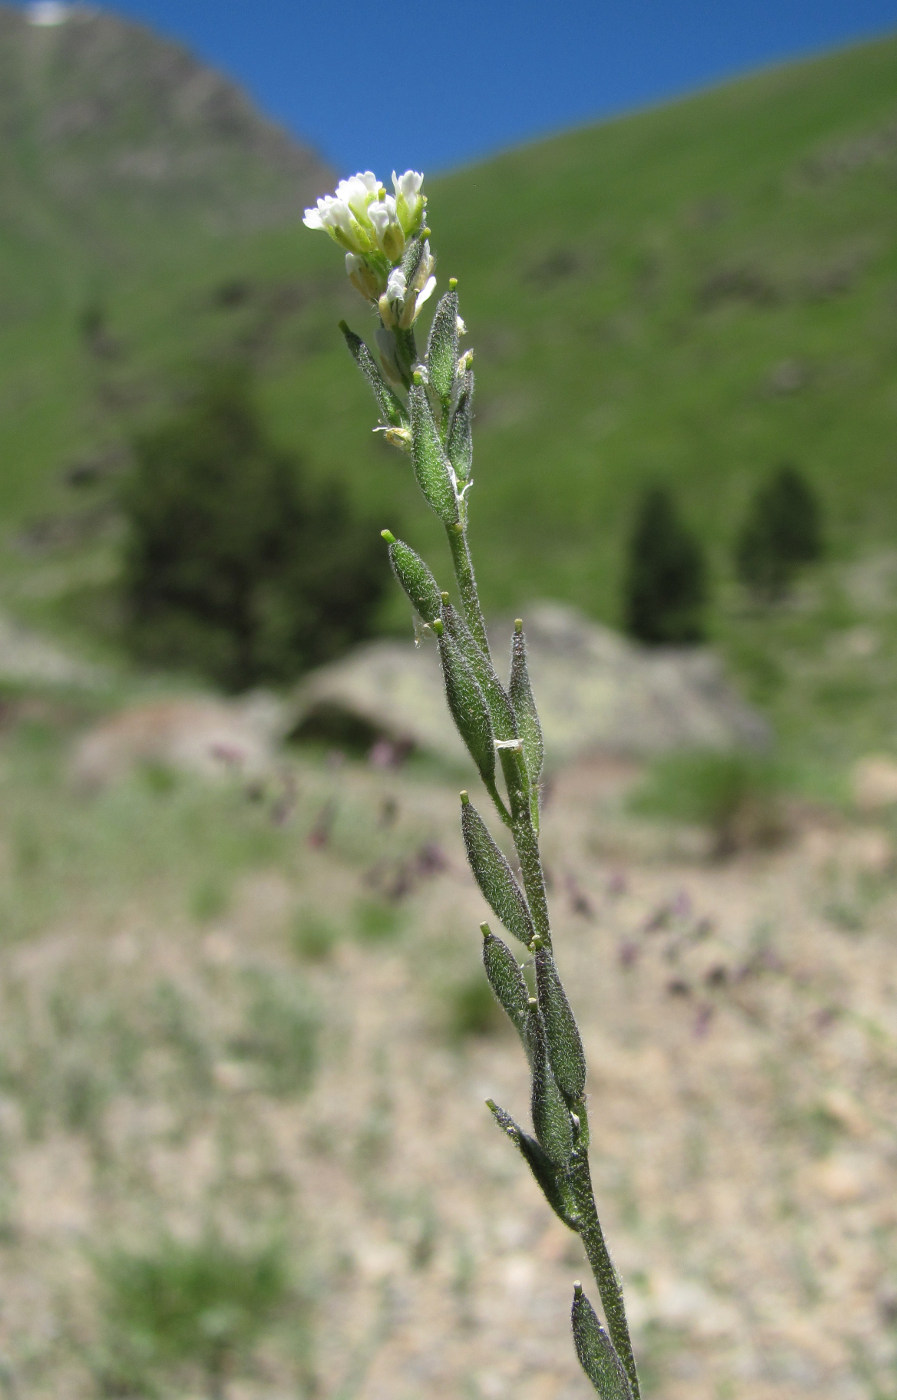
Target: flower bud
(409, 200)
(362, 277)
(388, 234)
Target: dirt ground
(740, 1023)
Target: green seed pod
(442, 346)
(595, 1350)
(551, 1117)
(460, 435)
(415, 578)
(468, 708)
(554, 1185)
(505, 978)
(389, 407)
(525, 706)
(500, 708)
(431, 467)
(494, 875)
(565, 1050)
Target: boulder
(596, 692)
(202, 735)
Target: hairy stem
(467, 584)
(611, 1294)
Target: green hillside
(686, 295)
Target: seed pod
(500, 708)
(554, 1184)
(565, 1050)
(442, 346)
(415, 578)
(460, 435)
(521, 694)
(431, 466)
(595, 1350)
(505, 978)
(468, 707)
(551, 1117)
(389, 407)
(494, 875)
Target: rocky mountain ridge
(104, 123)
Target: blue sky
(373, 86)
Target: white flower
(344, 215)
(425, 292)
(409, 200)
(358, 192)
(392, 302)
(388, 232)
(336, 218)
(365, 219)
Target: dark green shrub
(781, 532)
(665, 586)
(234, 566)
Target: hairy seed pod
(551, 1117)
(595, 1350)
(431, 466)
(494, 875)
(415, 578)
(553, 1183)
(389, 407)
(500, 707)
(505, 978)
(565, 1050)
(468, 708)
(460, 435)
(442, 346)
(525, 706)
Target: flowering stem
(391, 265)
(467, 584)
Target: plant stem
(467, 584)
(592, 1237)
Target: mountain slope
(112, 139)
(690, 294)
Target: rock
(192, 734)
(596, 692)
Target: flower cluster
(372, 227)
(376, 229)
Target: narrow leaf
(565, 1050)
(595, 1350)
(389, 406)
(551, 1117)
(468, 708)
(505, 978)
(442, 346)
(416, 579)
(552, 1182)
(431, 466)
(494, 875)
(460, 435)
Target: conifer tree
(665, 585)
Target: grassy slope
(631, 290)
